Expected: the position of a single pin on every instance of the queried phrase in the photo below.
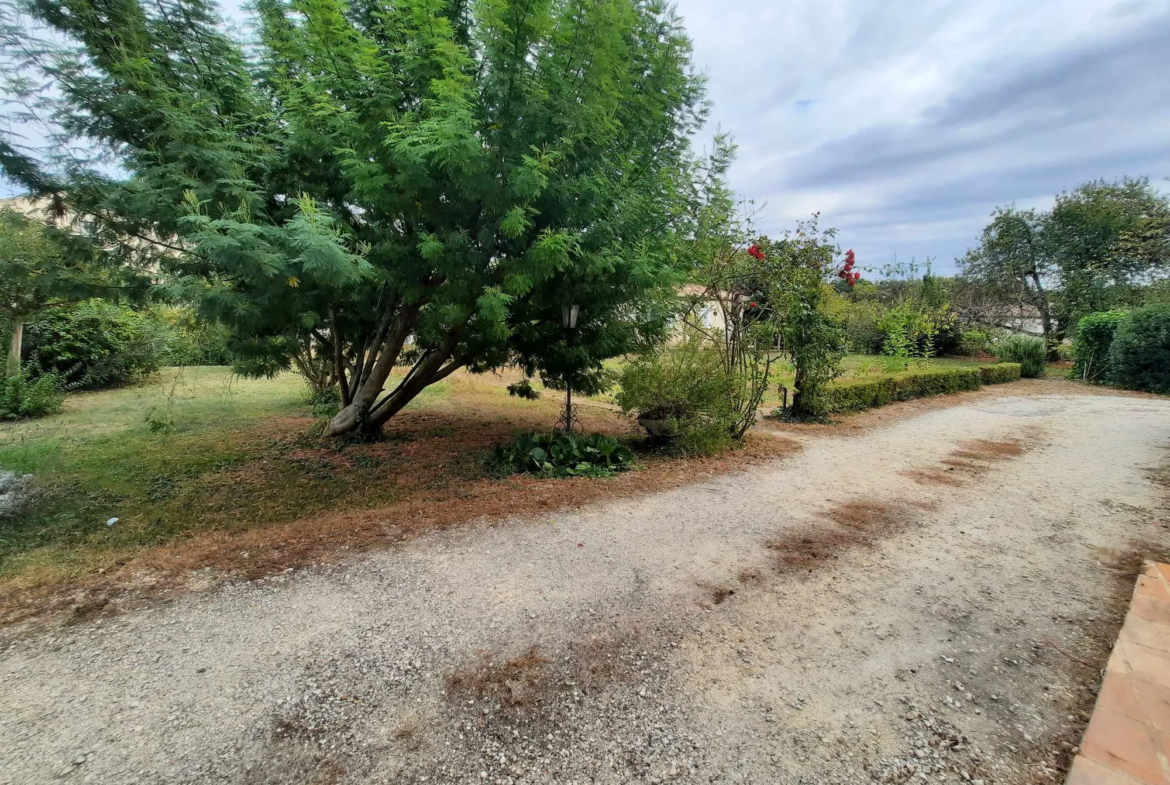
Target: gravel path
(904, 604)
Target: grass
(240, 481)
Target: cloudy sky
(905, 123)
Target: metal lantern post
(569, 421)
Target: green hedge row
(1001, 372)
(868, 393)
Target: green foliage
(975, 341)
(1000, 373)
(188, 341)
(523, 389)
(1140, 355)
(858, 319)
(370, 171)
(1095, 333)
(870, 392)
(684, 390)
(1027, 350)
(562, 454)
(95, 344)
(22, 397)
(1085, 255)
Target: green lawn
(222, 452)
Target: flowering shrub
(847, 273)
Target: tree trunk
(355, 414)
(1041, 302)
(12, 368)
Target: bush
(95, 344)
(188, 341)
(868, 393)
(1139, 358)
(561, 454)
(976, 342)
(21, 396)
(1027, 350)
(686, 389)
(1000, 373)
(1091, 346)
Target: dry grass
(516, 683)
(297, 500)
(857, 524)
(972, 459)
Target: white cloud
(921, 117)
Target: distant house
(1019, 317)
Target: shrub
(562, 454)
(1027, 350)
(867, 393)
(685, 388)
(1091, 346)
(976, 342)
(95, 344)
(21, 396)
(1139, 357)
(1000, 373)
(188, 341)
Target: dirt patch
(973, 458)
(515, 683)
(856, 524)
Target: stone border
(1128, 738)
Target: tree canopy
(1078, 257)
(366, 173)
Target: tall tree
(1012, 262)
(1104, 236)
(383, 171)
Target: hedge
(867, 393)
(1000, 373)
(1091, 346)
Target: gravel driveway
(930, 600)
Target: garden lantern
(569, 421)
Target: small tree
(814, 340)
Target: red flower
(756, 253)
(753, 305)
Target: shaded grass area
(243, 484)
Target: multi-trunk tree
(1082, 256)
(431, 179)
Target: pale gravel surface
(949, 650)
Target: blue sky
(905, 123)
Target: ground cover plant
(562, 454)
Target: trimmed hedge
(1139, 358)
(1000, 373)
(1091, 346)
(867, 393)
